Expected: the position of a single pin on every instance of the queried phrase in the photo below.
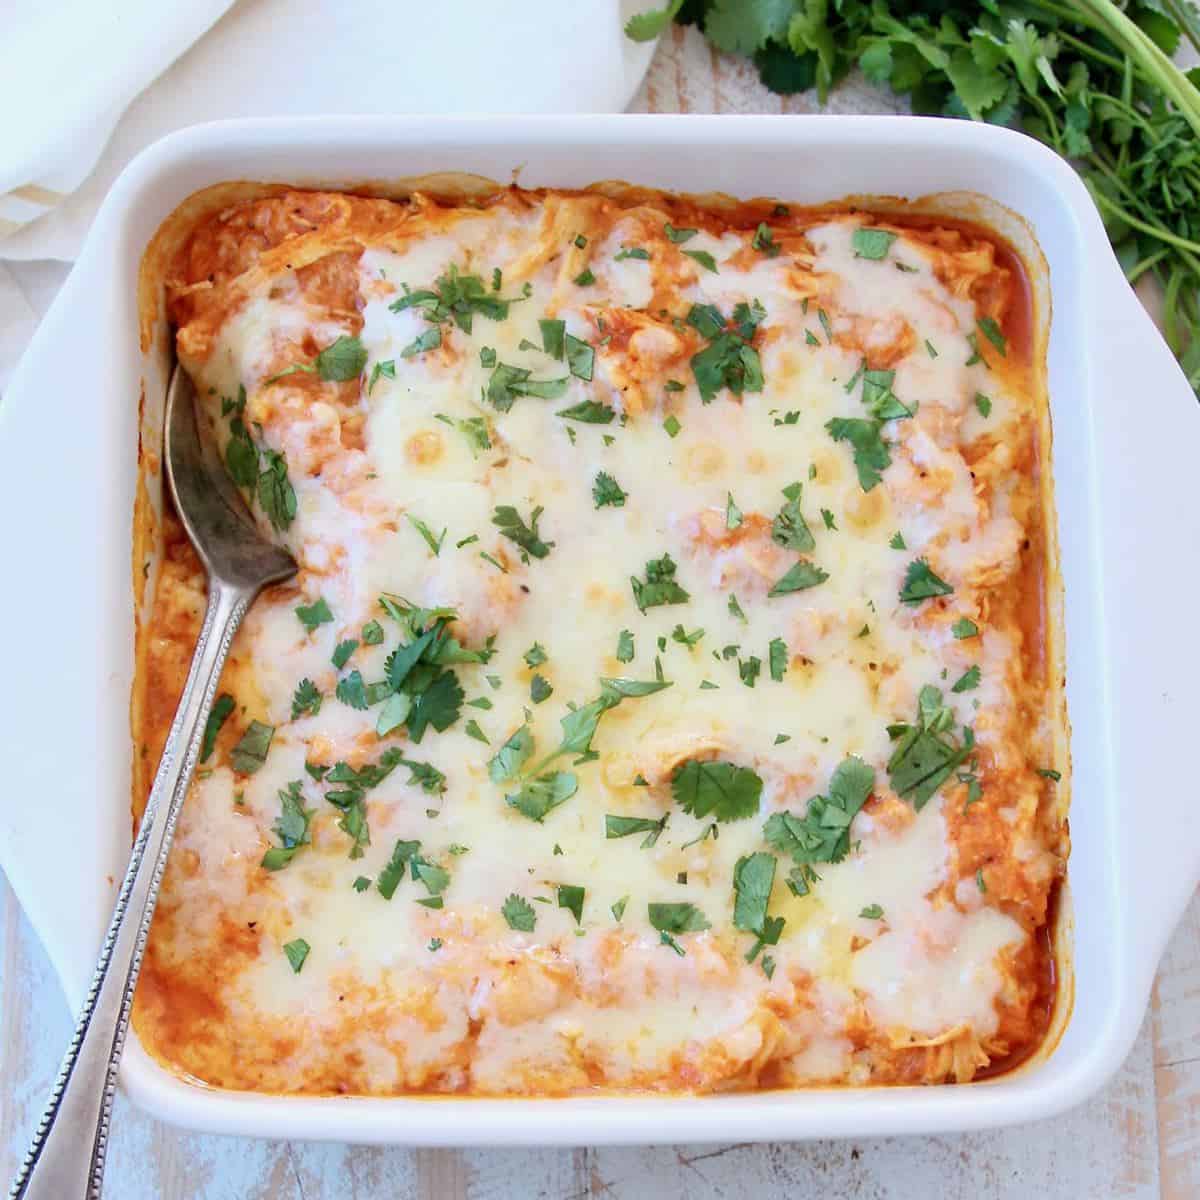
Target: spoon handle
(66, 1158)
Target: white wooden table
(1140, 1137)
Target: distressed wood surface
(1139, 1138)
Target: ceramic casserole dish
(1123, 421)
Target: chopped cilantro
(306, 700)
(619, 827)
(472, 730)
(312, 615)
(431, 339)
(381, 370)
(753, 878)
(721, 789)
(507, 383)
(984, 404)
(968, 681)
(221, 711)
(705, 259)
(635, 252)
(991, 330)
(872, 912)
(777, 655)
(749, 669)
(733, 514)
(509, 522)
(581, 358)
(606, 491)
(802, 576)
(897, 541)
(518, 913)
(507, 762)
(290, 827)
(540, 689)
(678, 235)
(964, 627)
(764, 241)
(625, 646)
(585, 278)
(571, 897)
(671, 425)
(588, 412)
(822, 834)
(297, 952)
(735, 609)
(659, 587)
(925, 754)
(871, 455)
(539, 796)
(677, 917)
(789, 529)
(553, 334)
(251, 751)
(871, 243)
(920, 583)
(342, 651)
(427, 534)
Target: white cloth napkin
(95, 83)
(274, 58)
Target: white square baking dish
(1125, 425)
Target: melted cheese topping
(917, 955)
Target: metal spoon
(66, 1157)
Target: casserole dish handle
(1148, 419)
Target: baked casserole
(670, 694)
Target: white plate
(1126, 428)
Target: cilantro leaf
(251, 751)
(306, 700)
(724, 790)
(296, 952)
(777, 653)
(659, 587)
(964, 627)
(509, 522)
(727, 362)
(290, 827)
(312, 615)
(871, 243)
(753, 878)
(822, 834)
(624, 646)
(392, 874)
(221, 711)
(926, 755)
(968, 681)
(588, 412)
(871, 455)
(438, 704)
(571, 897)
(677, 917)
(241, 455)
(920, 583)
(341, 360)
(619, 827)
(539, 796)
(789, 529)
(606, 491)
(518, 913)
(802, 576)
(553, 333)
(991, 330)
(705, 259)
(275, 492)
(581, 358)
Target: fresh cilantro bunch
(1090, 78)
